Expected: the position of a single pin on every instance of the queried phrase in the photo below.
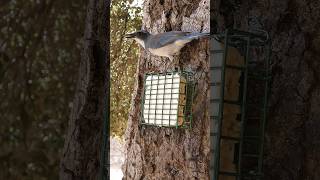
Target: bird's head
(142, 34)
(139, 36)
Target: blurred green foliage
(124, 59)
(40, 50)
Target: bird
(165, 44)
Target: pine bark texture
(169, 153)
(82, 150)
(292, 139)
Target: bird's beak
(131, 35)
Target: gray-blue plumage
(165, 44)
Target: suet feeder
(167, 99)
(239, 83)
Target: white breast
(170, 49)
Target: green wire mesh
(167, 99)
(246, 160)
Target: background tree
(40, 46)
(292, 140)
(82, 149)
(167, 153)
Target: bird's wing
(163, 39)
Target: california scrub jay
(165, 44)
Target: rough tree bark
(168, 153)
(292, 140)
(81, 155)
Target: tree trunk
(292, 140)
(81, 155)
(169, 153)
